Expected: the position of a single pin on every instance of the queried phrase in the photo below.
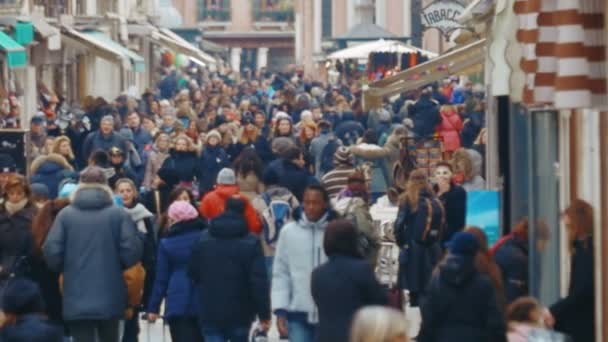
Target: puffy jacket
(185, 164)
(461, 305)
(299, 251)
(31, 328)
(15, 237)
(172, 282)
(227, 267)
(512, 259)
(50, 170)
(214, 203)
(449, 129)
(213, 160)
(295, 178)
(92, 257)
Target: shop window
(273, 10)
(215, 10)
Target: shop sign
(442, 15)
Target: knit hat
(7, 163)
(93, 174)
(343, 155)
(214, 133)
(182, 211)
(22, 296)
(226, 176)
(463, 243)
(40, 190)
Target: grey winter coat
(91, 242)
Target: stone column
(262, 57)
(381, 13)
(235, 59)
(318, 26)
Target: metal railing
(214, 13)
(273, 15)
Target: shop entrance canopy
(16, 55)
(457, 61)
(173, 41)
(362, 51)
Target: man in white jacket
(299, 251)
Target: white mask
(443, 174)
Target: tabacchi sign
(442, 15)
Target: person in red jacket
(214, 203)
(449, 129)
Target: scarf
(13, 208)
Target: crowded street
(303, 170)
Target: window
(326, 14)
(214, 10)
(273, 10)
(53, 8)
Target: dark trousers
(185, 329)
(87, 331)
(131, 332)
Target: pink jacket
(449, 129)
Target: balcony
(214, 10)
(273, 14)
(10, 7)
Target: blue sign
(483, 211)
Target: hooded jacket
(461, 305)
(214, 203)
(15, 237)
(425, 115)
(92, 257)
(227, 267)
(50, 170)
(213, 160)
(185, 164)
(299, 251)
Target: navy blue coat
(31, 328)
(141, 138)
(227, 266)
(461, 305)
(295, 178)
(425, 115)
(185, 164)
(349, 132)
(213, 160)
(261, 146)
(50, 170)
(172, 281)
(340, 287)
(512, 259)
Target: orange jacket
(214, 203)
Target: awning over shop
(362, 51)
(103, 46)
(16, 56)
(457, 61)
(171, 40)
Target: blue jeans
(223, 335)
(300, 331)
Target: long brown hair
(417, 182)
(249, 136)
(582, 222)
(42, 222)
(485, 264)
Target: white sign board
(442, 15)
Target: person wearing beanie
(473, 313)
(227, 268)
(92, 258)
(23, 307)
(213, 203)
(336, 180)
(213, 159)
(103, 139)
(171, 283)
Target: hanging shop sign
(442, 15)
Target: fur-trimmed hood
(53, 158)
(92, 196)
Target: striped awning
(564, 57)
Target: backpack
(435, 221)
(278, 212)
(327, 155)
(356, 211)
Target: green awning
(16, 56)
(24, 32)
(139, 65)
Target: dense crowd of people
(233, 201)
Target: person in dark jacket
(292, 175)
(575, 313)
(227, 266)
(251, 137)
(141, 137)
(511, 256)
(104, 139)
(121, 169)
(92, 258)
(418, 231)
(50, 170)
(454, 200)
(213, 159)
(172, 283)
(184, 161)
(473, 122)
(461, 303)
(23, 306)
(349, 130)
(16, 214)
(424, 115)
(344, 284)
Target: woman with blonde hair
(379, 324)
(575, 313)
(418, 231)
(63, 145)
